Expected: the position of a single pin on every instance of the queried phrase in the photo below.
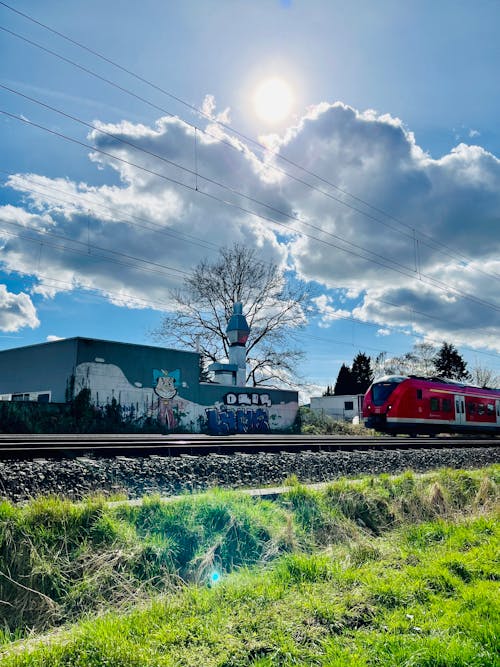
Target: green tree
(361, 372)
(345, 384)
(450, 364)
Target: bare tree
(274, 308)
(484, 377)
(419, 361)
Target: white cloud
(52, 338)
(16, 311)
(443, 227)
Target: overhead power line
(70, 200)
(129, 218)
(437, 244)
(279, 156)
(433, 282)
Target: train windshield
(382, 389)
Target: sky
(369, 166)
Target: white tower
(237, 332)
(235, 372)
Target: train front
(377, 402)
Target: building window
(20, 397)
(348, 405)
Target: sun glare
(273, 100)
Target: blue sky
(395, 103)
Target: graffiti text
(226, 422)
(247, 399)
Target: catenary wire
(132, 219)
(123, 297)
(69, 200)
(228, 128)
(408, 273)
(264, 204)
(450, 251)
(196, 174)
(405, 271)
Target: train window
(382, 390)
(480, 409)
(471, 407)
(434, 404)
(419, 394)
(348, 405)
(446, 405)
(490, 408)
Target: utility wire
(337, 316)
(150, 226)
(228, 128)
(195, 173)
(451, 252)
(406, 272)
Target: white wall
(334, 406)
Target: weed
(60, 561)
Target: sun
(273, 100)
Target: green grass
(373, 571)
(403, 608)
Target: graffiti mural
(166, 398)
(165, 389)
(221, 421)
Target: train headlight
(389, 407)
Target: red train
(399, 404)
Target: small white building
(342, 408)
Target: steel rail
(178, 444)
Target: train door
(459, 409)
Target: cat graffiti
(165, 390)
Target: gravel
(136, 477)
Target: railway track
(26, 445)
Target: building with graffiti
(147, 383)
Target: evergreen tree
(345, 385)
(450, 364)
(362, 373)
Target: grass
(375, 571)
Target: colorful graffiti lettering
(226, 422)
